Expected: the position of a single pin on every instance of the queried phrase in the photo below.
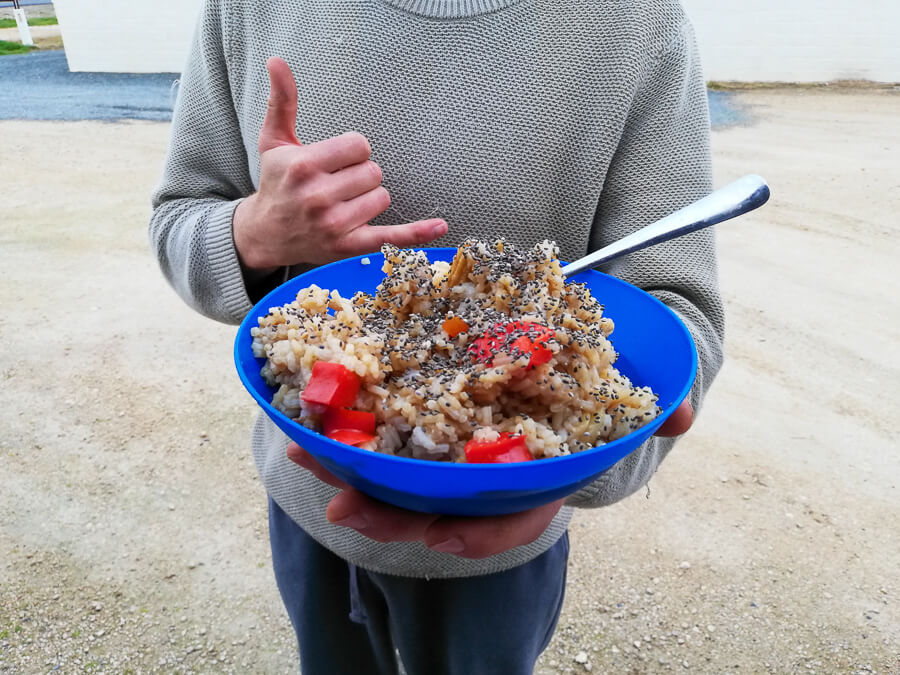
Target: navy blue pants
(350, 621)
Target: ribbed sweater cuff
(223, 260)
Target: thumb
(281, 114)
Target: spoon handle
(735, 199)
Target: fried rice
(432, 393)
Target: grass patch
(13, 48)
(36, 21)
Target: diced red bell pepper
(337, 419)
(497, 339)
(350, 436)
(507, 448)
(331, 384)
(534, 346)
(485, 346)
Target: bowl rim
(250, 320)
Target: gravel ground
(134, 540)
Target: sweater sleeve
(663, 162)
(205, 175)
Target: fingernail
(451, 545)
(439, 230)
(356, 521)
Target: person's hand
(678, 422)
(314, 201)
(466, 537)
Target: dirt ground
(133, 535)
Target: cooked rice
(428, 394)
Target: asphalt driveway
(39, 86)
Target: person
(309, 131)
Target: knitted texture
(578, 122)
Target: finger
(375, 519)
(370, 237)
(302, 458)
(678, 422)
(483, 537)
(348, 215)
(339, 152)
(351, 182)
(278, 127)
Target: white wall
(761, 41)
(798, 40)
(126, 36)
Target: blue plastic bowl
(655, 349)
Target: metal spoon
(735, 199)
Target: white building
(126, 36)
(762, 41)
(798, 40)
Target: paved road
(39, 86)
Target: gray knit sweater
(577, 121)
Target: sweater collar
(450, 9)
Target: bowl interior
(655, 349)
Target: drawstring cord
(357, 611)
